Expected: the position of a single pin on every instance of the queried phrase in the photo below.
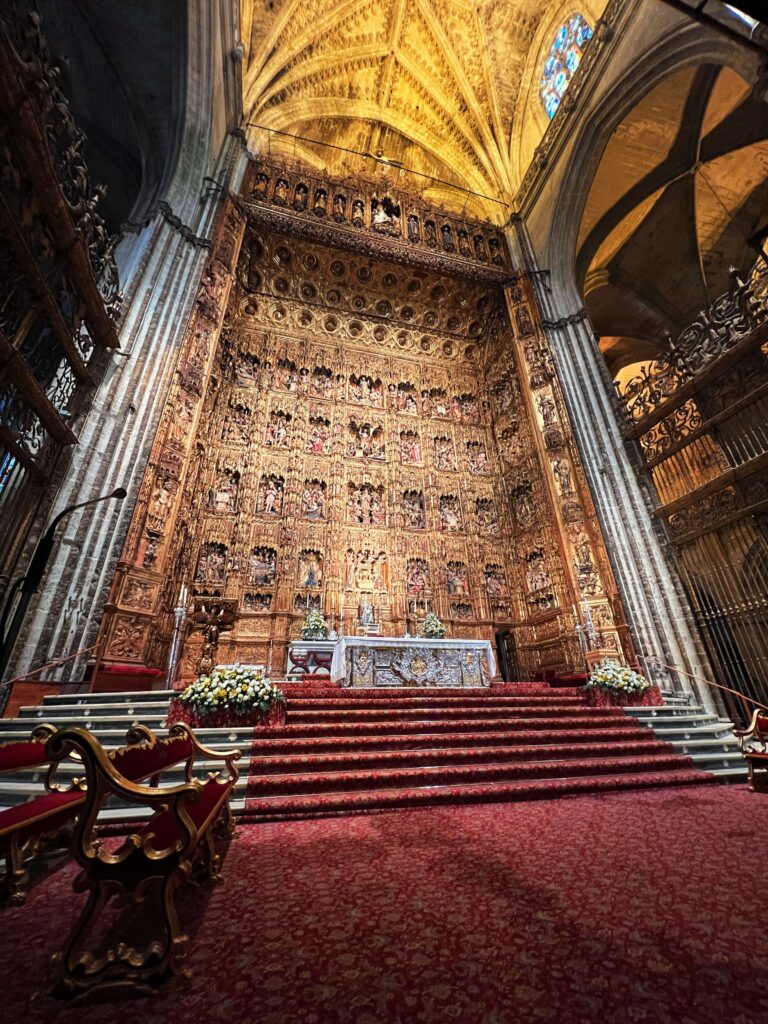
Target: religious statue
(410, 448)
(464, 248)
(281, 192)
(477, 460)
(447, 237)
(430, 235)
(246, 365)
(322, 383)
(261, 185)
(211, 564)
(480, 251)
(416, 576)
(181, 426)
(547, 410)
(456, 578)
(495, 583)
(581, 545)
(414, 233)
(358, 213)
(277, 431)
(485, 512)
(235, 426)
(524, 507)
(271, 496)
(444, 458)
(222, 496)
(413, 507)
(439, 403)
(339, 207)
(310, 569)
(160, 502)
(367, 617)
(300, 197)
(496, 256)
(321, 202)
(365, 391)
(407, 403)
(318, 436)
(450, 516)
(261, 567)
(379, 571)
(313, 501)
(214, 620)
(536, 576)
(562, 471)
(385, 216)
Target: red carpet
(626, 908)
(358, 750)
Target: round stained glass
(563, 61)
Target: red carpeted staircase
(363, 750)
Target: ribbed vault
(433, 85)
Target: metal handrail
(745, 700)
(61, 661)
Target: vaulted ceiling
(681, 188)
(434, 85)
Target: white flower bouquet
(236, 691)
(434, 629)
(611, 677)
(314, 626)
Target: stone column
(655, 606)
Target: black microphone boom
(28, 585)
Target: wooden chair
(24, 827)
(174, 842)
(753, 742)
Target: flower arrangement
(434, 629)
(236, 691)
(314, 626)
(611, 677)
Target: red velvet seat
(40, 815)
(23, 754)
(164, 827)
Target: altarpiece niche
(365, 428)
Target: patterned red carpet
(643, 907)
(343, 750)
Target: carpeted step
(286, 764)
(431, 713)
(448, 775)
(312, 805)
(327, 690)
(350, 728)
(267, 744)
(451, 703)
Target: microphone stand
(30, 582)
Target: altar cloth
(412, 661)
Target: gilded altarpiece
(343, 430)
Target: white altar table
(412, 661)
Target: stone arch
(688, 46)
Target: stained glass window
(564, 57)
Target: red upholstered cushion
(41, 814)
(761, 724)
(164, 826)
(24, 754)
(140, 762)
